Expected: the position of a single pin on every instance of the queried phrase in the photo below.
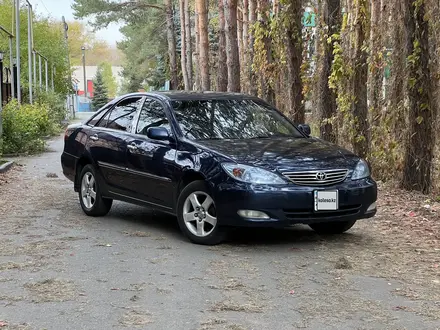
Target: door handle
(132, 147)
(94, 137)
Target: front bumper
(290, 204)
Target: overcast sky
(58, 8)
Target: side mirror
(158, 133)
(305, 128)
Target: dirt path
(133, 269)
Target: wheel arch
(188, 177)
(81, 162)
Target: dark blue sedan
(215, 160)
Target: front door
(151, 163)
(108, 143)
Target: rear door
(107, 142)
(151, 163)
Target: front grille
(346, 210)
(317, 178)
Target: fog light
(253, 214)
(372, 207)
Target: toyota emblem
(321, 176)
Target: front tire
(197, 216)
(332, 228)
(90, 196)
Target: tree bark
(266, 89)
(188, 42)
(204, 44)
(183, 60)
(253, 90)
(171, 40)
(197, 79)
(222, 76)
(376, 61)
(294, 61)
(419, 151)
(233, 61)
(240, 39)
(330, 23)
(245, 59)
(360, 140)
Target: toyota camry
(215, 161)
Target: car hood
(284, 153)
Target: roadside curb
(6, 166)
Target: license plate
(326, 200)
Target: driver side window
(152, 115)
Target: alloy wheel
(88, 190)
(199, 214)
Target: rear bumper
(68, 163)
(290, 204)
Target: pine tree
(100, 97)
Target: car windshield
(231, 119)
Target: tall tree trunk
(171, 40)
(202, 10)
(419, 151)
(245, 60)
(240, 39)
(398, 72)
(253, 90)
(330, 23)
(376, 61)
(188, 42)
(198, 83)
(266, 89)
(183, 59)
(222, 77)
(294, 60)
(360, 140)
(232, 52)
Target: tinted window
(231, 119)
(97, 117)
(152, 115)
(121, 117)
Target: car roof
(194, 96)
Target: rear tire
(197, 217)
(332, 228)
(90, 198)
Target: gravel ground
(60, 269)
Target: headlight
(252, 174)
(361, 171)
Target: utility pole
(34, 56)
(66, 37)
(47, 75)
(40, 71)
(83, 48)
(53, 74)
(17, 41)
(11, 64)
(30, 51)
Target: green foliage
(24, 126)
(55, 103)
(100, 97)
(108, 78)
(144, 45)
(48, 40)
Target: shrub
(55, 103)
(24, 126)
